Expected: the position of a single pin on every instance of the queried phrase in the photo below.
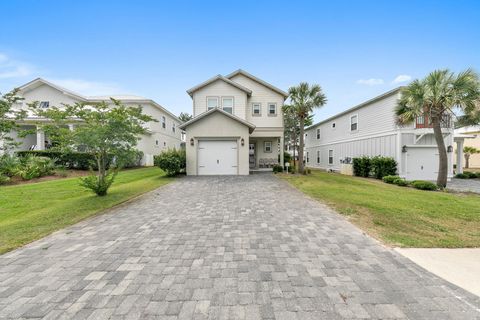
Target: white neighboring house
(161, 135)
(370, 129)
(237, 126)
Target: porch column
(282, 147)
(40, 139)
(460, 156)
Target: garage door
(422, 163)
(217, 157)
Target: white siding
(47, 93)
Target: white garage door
(422, 163)
(217, 157)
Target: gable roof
(359, 106)
(218, 77)
(266, 84)
(39, 81)
(250, 126)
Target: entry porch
(265, 152)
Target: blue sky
(354, 49)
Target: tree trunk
(467, 160)
(442, 152)
(300, 150)
(294, 148)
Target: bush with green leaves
(390, 179)
(470, 175)
(424, 185)
(383, 166)
(171, 161)
(32, 167)
(362, 166)
(461, 176)
(9, 165)
(67, 159)
(287, 157)
(277, 168)
(4, 179)
(99, 184)
(400, 182)
(130, 159)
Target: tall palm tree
(436, 97)
(304, 98)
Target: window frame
(233, 103)
(356, 127)
(174, 127)
(265, 147)
(330, 158)
(259, 114)
(308, 158)
(318, 134)
(334, 125)
(275, 109)
(212, 98)
(318, 156)
(44, 104)
(164, 122)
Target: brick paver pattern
(221, 248)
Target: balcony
(423, 122)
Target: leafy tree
(304, 98)
(436, 96)
(103, 130)
(467, 152)
(9, 117)
(184, 117)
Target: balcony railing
(425, 122)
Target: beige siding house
(237, 126)
(161, 135)
(472, 139)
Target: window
(318, 133)
(164, 122)
(156, 143)
(227, 105)
(173, 126)
(272, 109)
(353, 123)
(267, 147)
(330, 156)
(44, 104)
(212, 102)
(256, 109)
(318, 156)
(164, 144)
(333, 125)
(308, 157)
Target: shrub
(287, 157)
(383, 166)
(424, 185)
(70, 160)
(4, 179)
(470, 175)
(130, 160)
(98, 185)
(390, 179)
(9, 165)
(34, 167)
(171, 161)
(277, 168)
(400, 182)
(461, 176)
(362, 166)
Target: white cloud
(402, 78)
(10, 68)
(89, 88)
(370, 82)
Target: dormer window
(227, 104)
(212, 103)
(44, 104)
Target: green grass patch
(396, 215)
(31, 211)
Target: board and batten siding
(220, 89)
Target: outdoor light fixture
(404, 149)
(449, 149)
(191, 142)
(242, 141)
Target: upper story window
(272, 109)
(164, 122)
(173, 126)
(334, 125)
(212, 102)
(44, 104)
(354, 123)
(256, 109)
(267, 147)
(227, 104)
(318, 133)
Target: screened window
(272, 109)
(256, 109)
(212, 103)
(353, 123)
(330, 156)
(227, 105)
(267, 146)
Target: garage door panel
(217, 157)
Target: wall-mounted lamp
(449, 149)
(404, 149)
(192, 142)
(242, 142)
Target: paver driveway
(221, 248)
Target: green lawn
(31, 211)
(398, 216)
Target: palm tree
(304, 98)
(467, 152)
(436, 96)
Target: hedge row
(377, 167)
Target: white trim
(259, 109)
(381, 134)
(233, 103)
(275, 109)
(213, 98)
(333, 158)
(265, 147)
(351, 117)
(318, 133)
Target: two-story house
(237, 126)
(370, 129)
(160, 135)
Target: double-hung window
(354, 123)
(227, 105)
(330, 156)
(318, 133)
(272, 109)
(308, 157)
(318, 156)
(212, 102)
(256, 109)
(267, 146)
(44, 104)
(164, 122)
(173, 126)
